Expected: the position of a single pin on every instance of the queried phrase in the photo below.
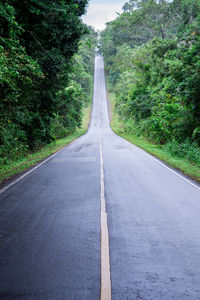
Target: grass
(15, 167)
(190, 169)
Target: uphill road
(101, 219)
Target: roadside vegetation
(152, 61)
(46, 79)
(31, 159)
(179, 162)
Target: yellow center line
(105, 257)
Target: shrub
(187, 149)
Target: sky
(101, 11)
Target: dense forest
(152, 59)
(46, 73)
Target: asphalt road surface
(50, 222)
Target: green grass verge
(186, 167)
(18, 166)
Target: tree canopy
(38, 40)
(152, 57)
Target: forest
(152, 60)
(46, 74)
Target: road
(53, 223)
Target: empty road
(55, 221)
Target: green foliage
(69, 108)
(42, 84)
(83, 65)
(152, 55)
(19, 74)
(187, 149)
(78, 92)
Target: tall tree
(47, 32)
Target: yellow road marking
(105, 257)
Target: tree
(38, 39)
(152, 58)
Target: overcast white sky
(101, 11)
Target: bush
(13, 142)
(187, 149)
